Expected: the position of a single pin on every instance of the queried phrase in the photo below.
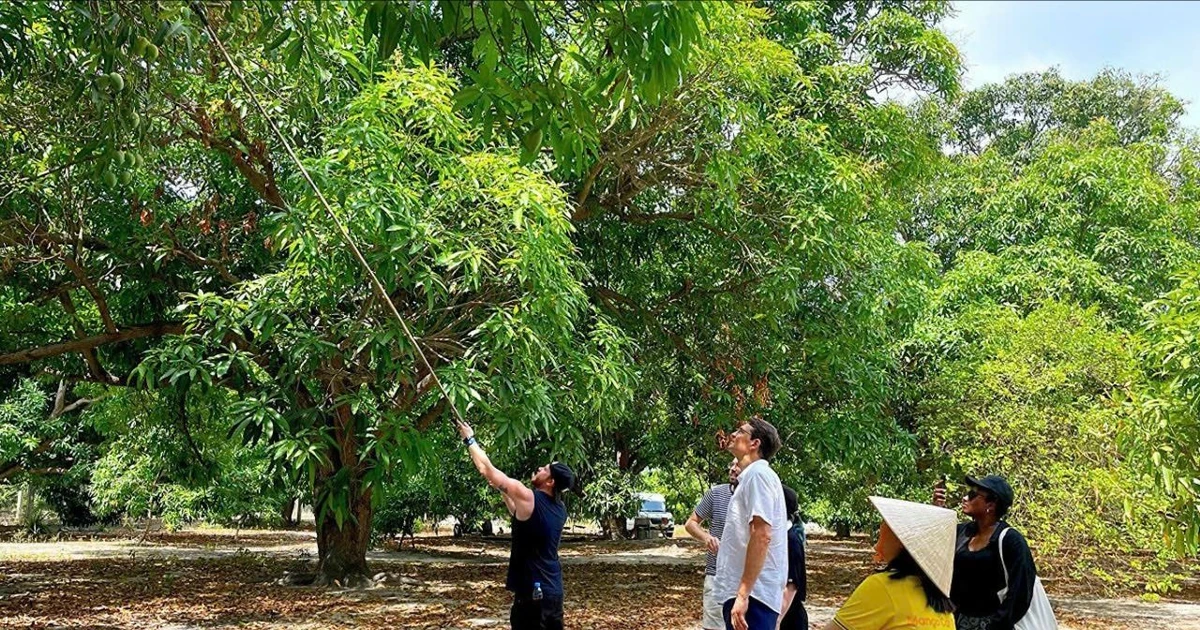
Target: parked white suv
(652, 518)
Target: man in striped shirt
(712, 508)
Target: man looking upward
(538, 516)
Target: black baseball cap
(563, 478)
(997, 486)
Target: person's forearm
(696, 530)
(756, 555)
(789, 593)
(484, 465)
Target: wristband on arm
(469, 441)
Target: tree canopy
(614, 229)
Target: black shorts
(544, 614)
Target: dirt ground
(210, 579)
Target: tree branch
(650, 217)
(81, 275)
(608, 299)
(192, 256)
(251, 161)
(101, 303)
(181, 410)
(89, 354)
(430, 415)
(158, 329)
(13, 468)
(10, 236)
(582, 212)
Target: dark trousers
(796, 617)
(758, 616)
(544, 614)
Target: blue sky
(1001, 38)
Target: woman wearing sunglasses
(990, 592)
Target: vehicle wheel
(669, 533)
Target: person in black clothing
(534, 572)
(979, 576)
(794, 616)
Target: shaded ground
(206, 579)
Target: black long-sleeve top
(979, 576)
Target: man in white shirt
(752, 563)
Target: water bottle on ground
(537, 591)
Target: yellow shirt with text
(881, 603)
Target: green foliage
(744, 235)
(608, 495)
(615, 228)
(1167, 430)
(476, 251)
(1032, 397)
(23, 424)
(1015, 117)
(1083, 194)
(47, 443)
(1062, 217)
(547, 74)
(401, 509)
(174, 460)
(681, 487)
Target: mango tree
(149, 203)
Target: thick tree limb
(582, 210)
(15, 232)
(77, 405)
(191, 256)
(181, 411)
(426, 419)
(158, 329)
(60, 402)
(249, 156)
(101, 302)
(89, 354)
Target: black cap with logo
(563, 478)
(997, 486)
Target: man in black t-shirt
(795, 617)
(534, 572)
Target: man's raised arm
(517, 496)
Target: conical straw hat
(928, 533)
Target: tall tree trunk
(612, 526)
(342, 551)
(288, 511)
(24, 503)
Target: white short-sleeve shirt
(759, 494)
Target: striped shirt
(713, 508)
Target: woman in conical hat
(916, 542)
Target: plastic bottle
(537, 591)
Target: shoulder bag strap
(1003, 564)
